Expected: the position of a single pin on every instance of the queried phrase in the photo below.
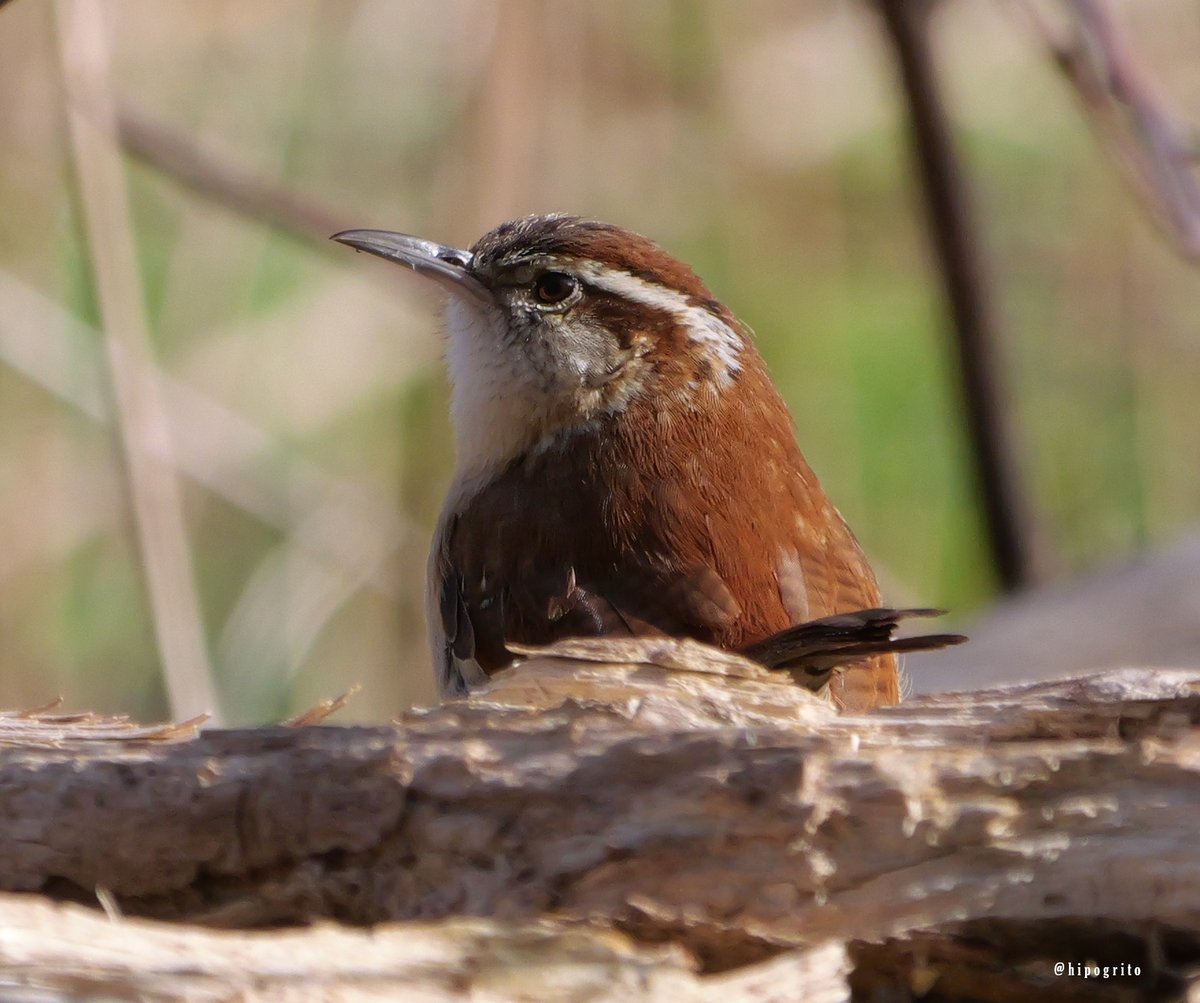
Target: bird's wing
(451, 629)
(474, 612)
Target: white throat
(494, 420)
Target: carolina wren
(626, 466)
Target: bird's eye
(554, 287)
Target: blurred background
(286, 396)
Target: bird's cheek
(596, 355)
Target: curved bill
(447, 266)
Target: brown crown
(561, 235)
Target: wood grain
(676, 794)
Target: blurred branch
(1155, 150)
(505, 148)
(338, 534)
(719, 818)
(217, 448)
(243, 191)
(296, 589)
(954, 231)
(141, 419)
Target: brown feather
(610, 530)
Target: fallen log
(672, 809)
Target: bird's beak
(447, 266)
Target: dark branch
(953, 230)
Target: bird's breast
(652, 522)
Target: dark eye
(554, 287)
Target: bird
(625, 466)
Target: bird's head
(555, 322)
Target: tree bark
(652, 811)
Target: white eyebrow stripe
(702, 326)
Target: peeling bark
(723, 822)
